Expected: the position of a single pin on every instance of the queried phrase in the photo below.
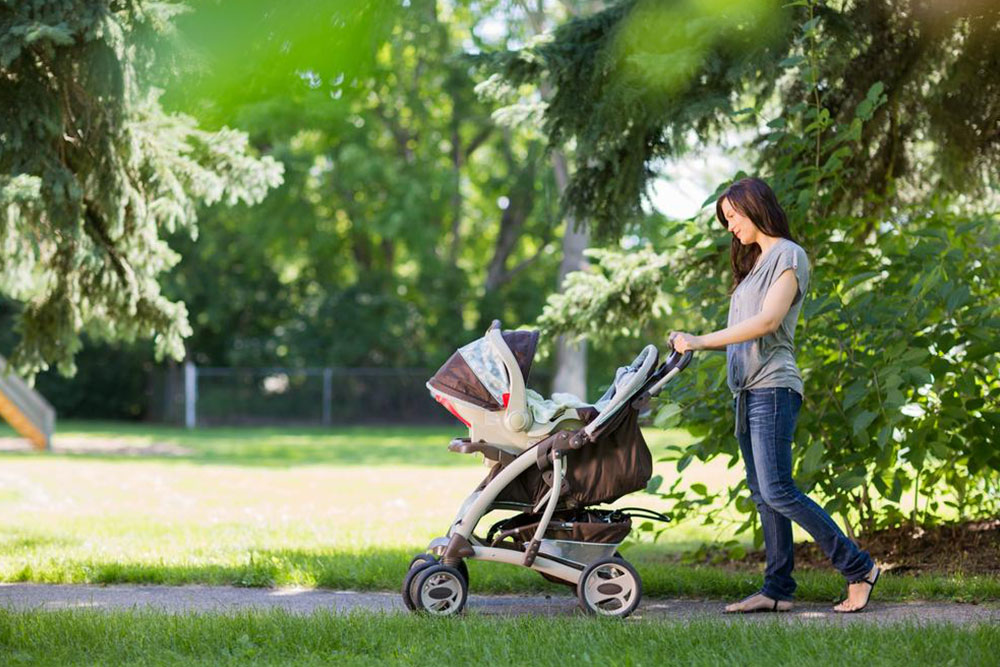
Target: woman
(770, 277)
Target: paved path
(303, 601)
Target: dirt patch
(972, 547)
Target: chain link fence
(211, 396)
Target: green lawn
(342, 508)
(155, 638)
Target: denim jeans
(766, 446)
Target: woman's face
(738, 224)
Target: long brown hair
(756, 200)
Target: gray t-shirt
(768, 361)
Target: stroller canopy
(476, 373)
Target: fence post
(327, 396)
(190, 393)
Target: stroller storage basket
(592, 526)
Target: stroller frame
(437, 581)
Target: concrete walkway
(305, 601)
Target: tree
(407, 212)
(902, 373)
(94, 175)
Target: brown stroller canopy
(456, 378)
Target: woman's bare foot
(858, 594)
(757, 602)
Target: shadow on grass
(383, 570)
(267, 446)
(13, 542)
(254, 446)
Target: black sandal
(774, 607)
(871, 587)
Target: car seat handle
(516, 415)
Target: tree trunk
(571, 358)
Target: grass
(276, 637)
(258, 446)
(342, 508)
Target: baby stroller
(551, 461)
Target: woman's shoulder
(792, 249)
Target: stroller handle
(674, 364)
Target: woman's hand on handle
(682, 342)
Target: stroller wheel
(417, 565)
(440, 591)
(422, 558)
(463, 570)
(609, 587)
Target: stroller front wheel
(609, 587)
(440, 590)
(417, 565)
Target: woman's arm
(777, 301)
(749, 329)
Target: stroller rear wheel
(440, 590)
(609, 587)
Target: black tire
(417, 565)
(463, 570)
(609, 587)
(422, 558)
(440, 590)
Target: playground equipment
(25, 409)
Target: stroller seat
(483, 385)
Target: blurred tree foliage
(407, 217)
(94, 174)
(856, 116)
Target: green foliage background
(897, 341)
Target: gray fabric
(545, 410)
(488, 366)
(628, 379)
(768, 361)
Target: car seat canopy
(476, 373)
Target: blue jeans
(766, 445)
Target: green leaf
(883, 435)
(700, 489)
(958, 297)
(737, 552)
(667, 415)
(744, 504)
(654, 483)
(862, 420)
(812, 459)
(854, 393)
(849, 481)
(856, 280)
(914, 355)
(919, 375)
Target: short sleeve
(792, 256)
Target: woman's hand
(683, 342)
